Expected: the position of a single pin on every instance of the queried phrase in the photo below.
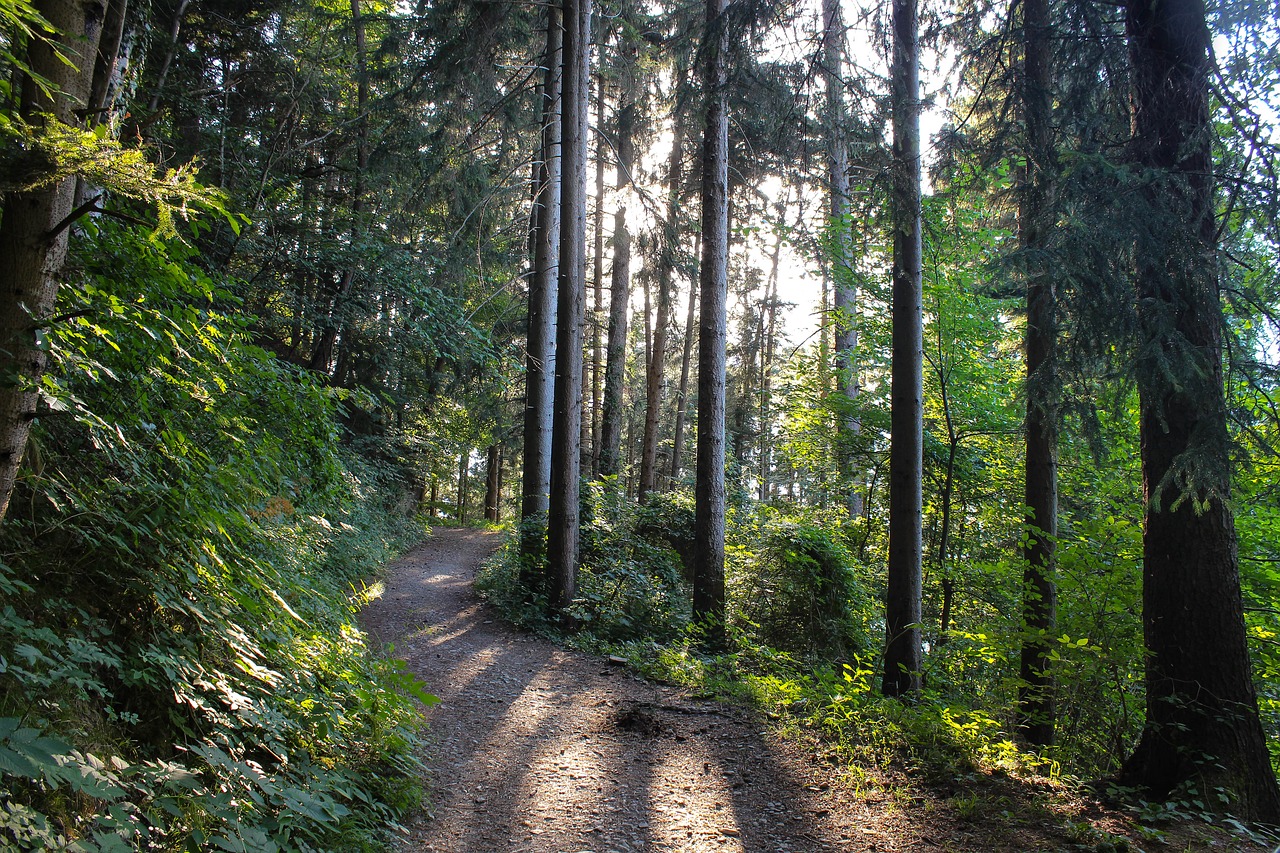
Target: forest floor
(536, 749)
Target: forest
(906, 369)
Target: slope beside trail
(535, 749)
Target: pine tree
(1202, 728)
(903, 652)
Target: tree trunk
(666, 266)
(464, 467)
(709, 511)
(171, 50)
(840, 267)
(743, 400)
(903, 654)
(1202, 727)
(322, 357)
(682, 394)
(541, 340)
(620, 278)
(769, 326)
(492, 482)
(105, 67)
(948, 494)
(35, 227)
(597, 285)
(1036, 704)
(566, 440)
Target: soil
(536, 749)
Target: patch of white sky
(795, 209)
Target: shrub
(179, 659)
(797, 592)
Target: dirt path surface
(534, 749)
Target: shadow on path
(539, 750)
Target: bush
(630, 584)
(179, 659)
(796, 591)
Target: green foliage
(179, 658)
(796, 591)
(20, 22)
(33, 157)
(630, 581)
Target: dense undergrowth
(805, 630)
(183, 560)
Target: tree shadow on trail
(538, 749)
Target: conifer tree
(1202, 729)
(566, 434)
(36, 223)
(540, 336)
(1036, 706)
(709, 508)
(903, 652)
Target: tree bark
(566, 440)
(769, 325)
(903, 653)
(464, 466)
(1202, 727)
(493, 483)
(541, 339)
(620, 276)
(840, 267)
(33, 232)
(682, 394)
(106, 61)
(709, 493)
(1036, 704)
(597, 285)
(666, 267)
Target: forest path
(535, 749)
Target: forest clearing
(870, 407)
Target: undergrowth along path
(535, 749)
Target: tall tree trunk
(464, 467)
(903, 653)
(1036, 706)
(541, 342)
(105, 67)
(597, 283)
(769, 326)
(1202, 725)
(493, 482)
(36, 225)
(682, 393)
(713, 277)
(666, 266)
(563, 523)
(620, 279)
(840, 267)
(743, 408)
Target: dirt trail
(534, 749)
